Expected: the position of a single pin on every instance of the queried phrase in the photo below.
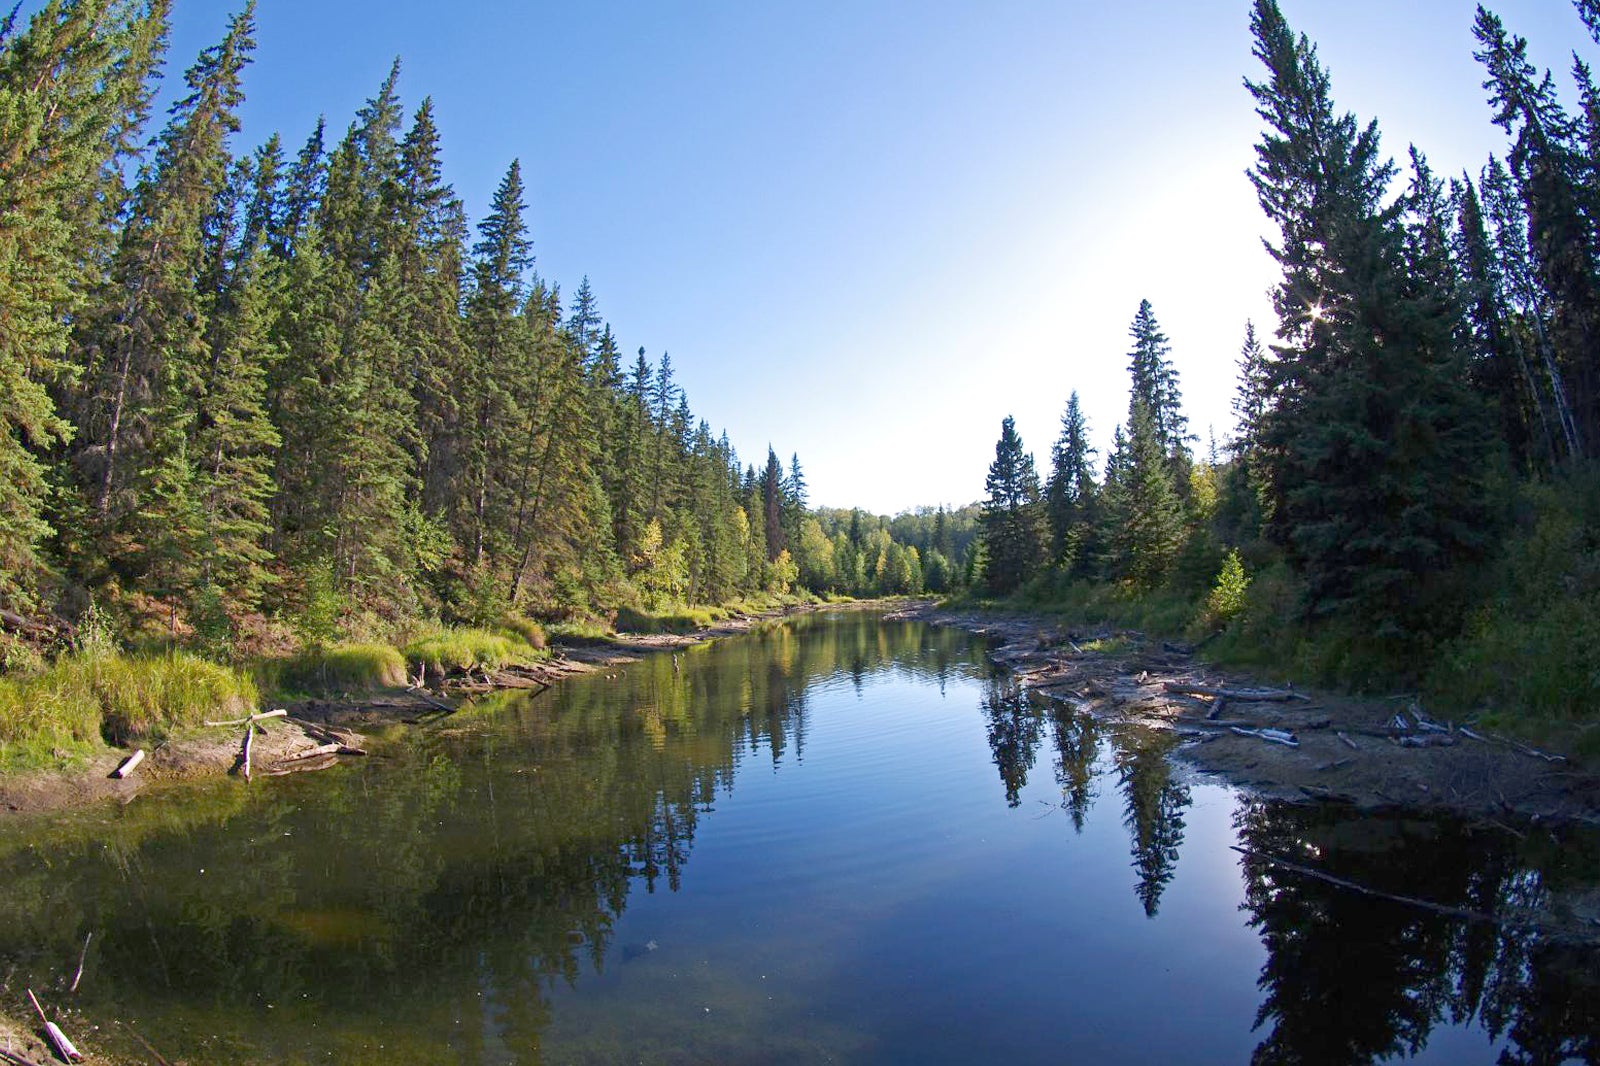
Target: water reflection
(1352, 979)
(430, 906)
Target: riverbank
(1301, 745)
(285, 744)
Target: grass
(68, 710)
(671, 620)
(459, 650)
(336, 668)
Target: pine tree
(1070, 493)
(1376, 448)
(146, 350)
(1548, 165)
(1014, 532)
(74, 93)
(1155, 382)
(1143, 510)
(772, 504)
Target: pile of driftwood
(330, 744)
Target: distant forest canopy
(1416, 453)
(296, 381)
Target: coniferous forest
(298, 383)
(1411, 492)
(294, 391)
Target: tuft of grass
(526, 630)
(64, 712)
(455, 650)
(338, 668)
(678, 620)
(581, 629)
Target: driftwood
(311, 753)
(1347, 741)
(15, 1060)
(58, 1039)
(279, 713)
(321, 762)
(129, 765)
(1276, 736)
(1216, 708)
(1243, 695)
(1427, 740)
(244, 752)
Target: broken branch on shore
(58, 1039)
(1243, 695)
(254, 718)
(1276, 736)
(128, 765)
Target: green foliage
(1533, 647)
(681, 620)
(1013, 515)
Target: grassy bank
(83, 701)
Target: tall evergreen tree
(74, 93)
(1377, 449)
(1014, 532)
(1070, 493)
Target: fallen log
(1276, 736)
(1347, 741)
(59, 1039)
(128, 765)
(1216, 708)
(311, 753)
(1243, 695)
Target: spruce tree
(1014, 532)
(1377, 449)
(1069, 494)
(74, 93)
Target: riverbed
(837, 838)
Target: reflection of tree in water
(1077, 738)
(1351, 979)
(456, 882)
(1015, 729)
(1155, 803)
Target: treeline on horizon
(1412, 492)
(297, 384)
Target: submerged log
(129, 765)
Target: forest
(253, 401)
(295, 388)
(1412, 492)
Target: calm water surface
(840, 839)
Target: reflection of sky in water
(834, 839)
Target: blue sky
(868, 231)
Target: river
(837, 839)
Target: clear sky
(868, 231)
